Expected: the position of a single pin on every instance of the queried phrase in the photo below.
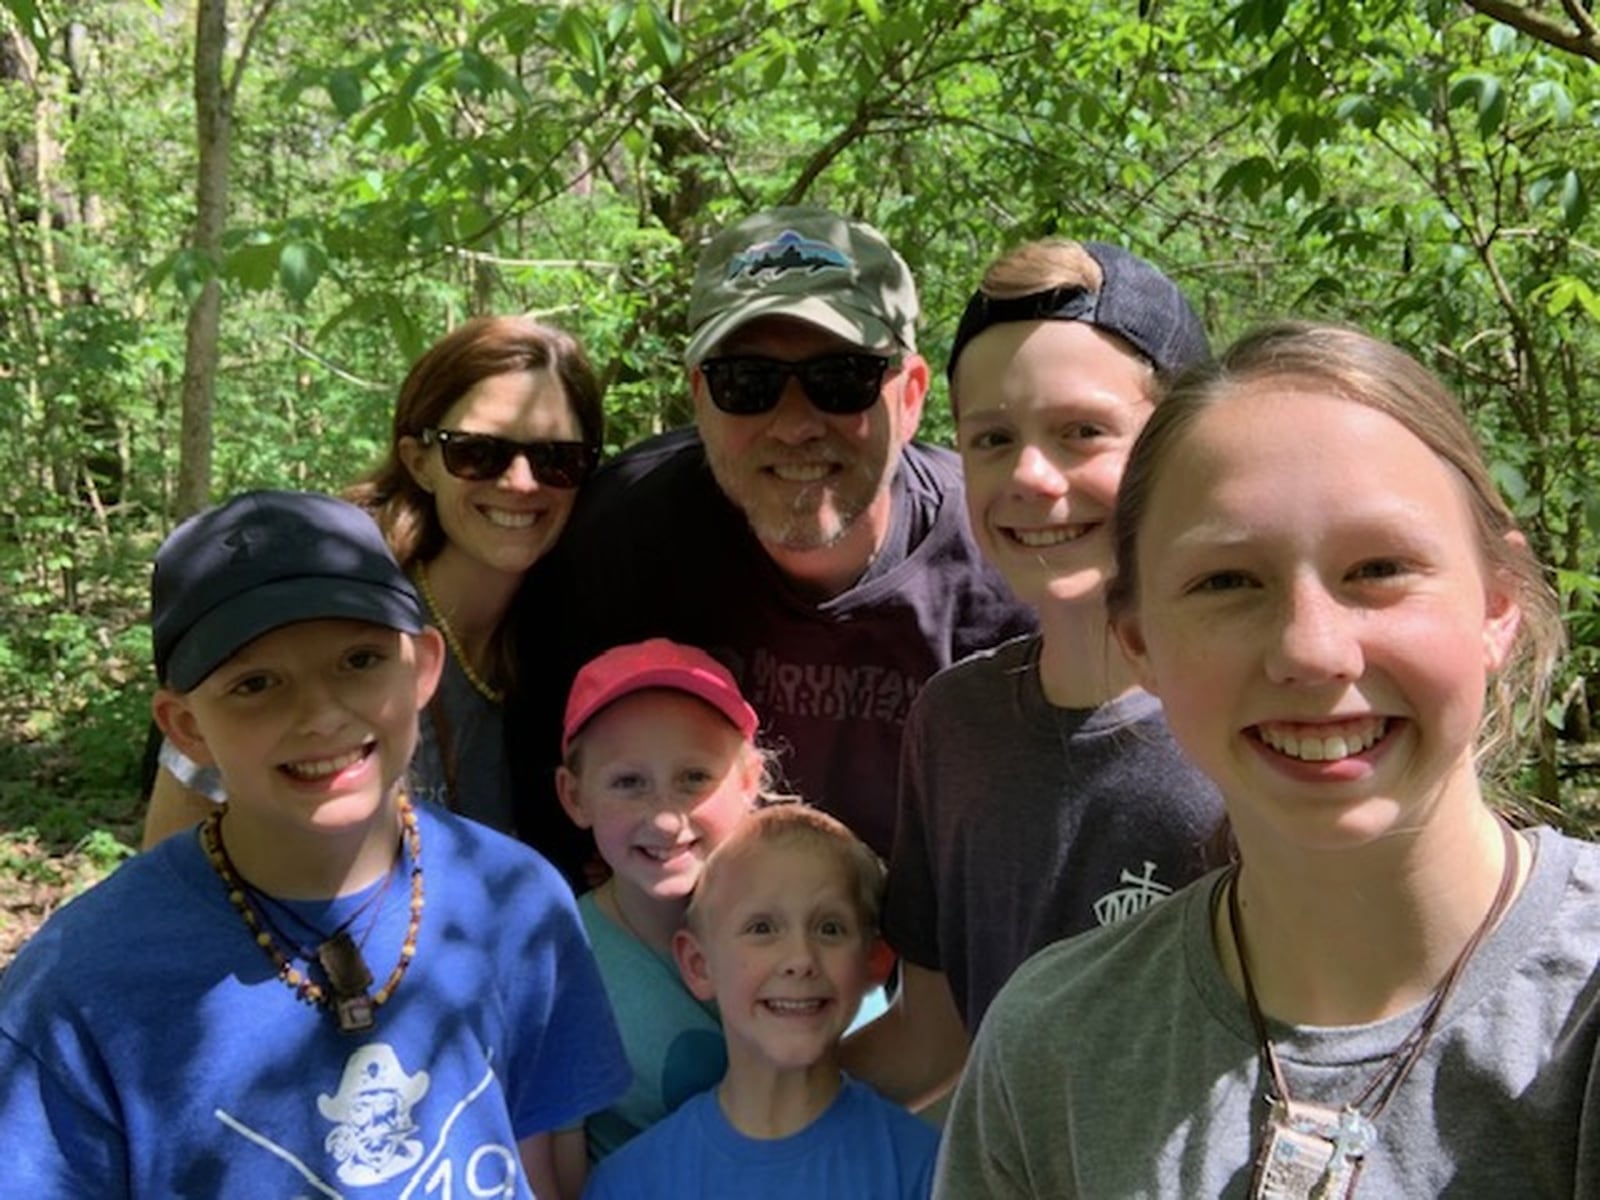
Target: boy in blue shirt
(780, 933)
(292, 999)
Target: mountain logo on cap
(242, 543)
(789, 251)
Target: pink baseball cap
(657, 663)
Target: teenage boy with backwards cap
(1041, 793)
(325, 987)
(798, 532)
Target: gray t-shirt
(1122, 1063)
(1021, 823)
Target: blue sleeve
(922, 1188)
(574, 1062)
(57, 1145)
(599, 1185)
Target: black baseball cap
(264, 560)
(1135, 301)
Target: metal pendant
(1309, 1152)
(349, 978)
(355, 1013)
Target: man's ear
(429, 650)
(176, 720)
(692, 965)
(571, 797)
(913, 395)
(698, 395)
(414, 457)
(1129, 633)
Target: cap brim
(240, 620)
(687, 680)
(853, 325)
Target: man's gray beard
(855, 491)
(801, 533)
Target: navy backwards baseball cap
(1136, 302)
(264, 560)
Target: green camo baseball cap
(810, 264)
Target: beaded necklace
(339, 957)
(479, 684)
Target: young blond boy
(325, 989)
(780, 933)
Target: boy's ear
(571, 799)
(429, 649)
(692, 965)
(176, 719)
(1130, 636)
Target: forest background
(230, 228)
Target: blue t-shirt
(861, 1148)
(149, 1049)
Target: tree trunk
(212, 121)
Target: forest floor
(54, 841)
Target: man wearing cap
(798, 532)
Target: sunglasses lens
(838, 384)
(843, 384)
(745, 387)
(475, 455)
(479, 456)
(562, 464)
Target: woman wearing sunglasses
(495, 428)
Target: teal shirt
(673, 1041)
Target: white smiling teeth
(321, 768)
(1040, 539)
(663, 854)
(1325, 749)
(510, 520)
(796, 1007)
(802, 472)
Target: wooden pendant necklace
(338, 954)
(479, 684)
(1311, 1150)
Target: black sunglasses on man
(746, 385)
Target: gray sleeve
(984, 1152)
(911, 902)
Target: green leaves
(1486, 94)
(1560, 294)
(1565, 185)
(659, 37)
